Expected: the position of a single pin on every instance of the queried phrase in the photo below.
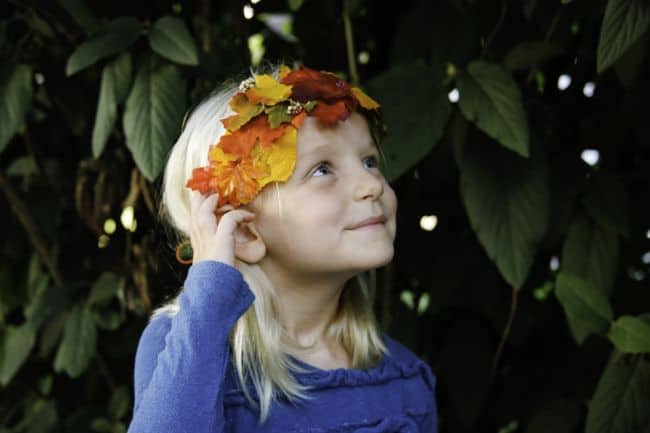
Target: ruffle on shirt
(387, 370)
(389, 424)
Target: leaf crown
(259, 145)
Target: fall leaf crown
(259, 145)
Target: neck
(307, 304)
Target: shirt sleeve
(180, 363)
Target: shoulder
(398, 351)
(405, 357)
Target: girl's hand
(213, 230)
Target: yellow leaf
(281, 157)
(365, 100)
(245, 112)
(267, 91)
(217, 154)
(284, 71)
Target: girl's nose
(369, 184)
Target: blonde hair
(259, 349)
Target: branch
(349, 44)
(20, 210)
(506, 333)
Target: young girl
(274, 328)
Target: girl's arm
(179, 373)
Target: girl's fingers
(230, 220)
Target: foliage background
(529, 298)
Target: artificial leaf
(245, 112)
(267, 91)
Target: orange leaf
(330, 113)
(308, 84)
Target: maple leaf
(245, 112)
(308, 84)
(267, 91)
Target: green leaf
(584, 305)
(490, 98)
(557, 416)
(507, 201)
(16, 93)
(16, 343)
(294, 5)
(46, 303)
(107, 319)
(79, 342)
(116, 79)
(529, 53)
(606, 201)
(120, 402)
(105, 287)
(416, 119)
(116, 37)
(630, 335)
(40, 417)
(170, 38)
(624, 22)
(153, 115)
(620, 403)
(591, 251)
(78, 9)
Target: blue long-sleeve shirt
(184, 379)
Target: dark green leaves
(416, 109)
(507, 202)
(631, 334)
(170, 38)
(491, 99)
(16, 95)
(624, 22)
(585, 306)
(153, 114)
(79, 342)
(15, 344)
(116, 79)
(115, 38)
(620, 402)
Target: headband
(259, 145)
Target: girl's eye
(321, 164)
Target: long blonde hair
(258, 348)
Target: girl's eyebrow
(370, 145)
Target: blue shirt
(184, 379)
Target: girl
(274, 328)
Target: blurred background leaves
(517, 143)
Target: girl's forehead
(313, 137)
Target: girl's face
(335, 185)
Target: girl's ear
(249, 245)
